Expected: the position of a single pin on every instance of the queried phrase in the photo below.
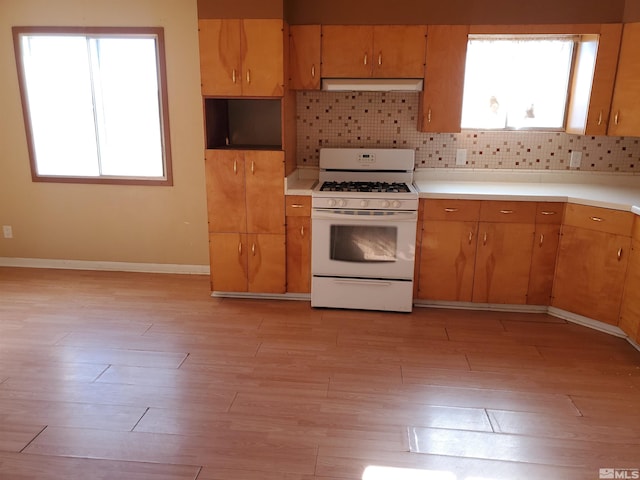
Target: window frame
(163, 99)
(574, 37)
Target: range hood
(372, 84)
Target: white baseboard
(264, 296)
(494, 307)
(587, 322)
(104, 266)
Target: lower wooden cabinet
(298, 209)
(591, 272)
(447, 260)
(503, 263)
(298, 254)
(243, 262)
(630, 309)
(543, 264)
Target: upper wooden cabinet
(441, 100)
(625, 108)
(304, 57)
(241, 57)
(381, 51)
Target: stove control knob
(332, 202)
(385, 204)
(364, 203)
(396, 204)
(342, 203)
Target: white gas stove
(364, 215)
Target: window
(517, 83)
(95, 104)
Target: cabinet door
(228, 260)
(441, 103)
(625, 109)
(266, 263)
(630, 310)
(503, 262)
(447, 258)
(264, 173)
(220, 68)
(262, 57)
(346, 51)
(224, 171)
(543, 264)
(299, 254)
(603, 79)
(304, 57)
(399, 51)
(590, 273)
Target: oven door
(363, 243)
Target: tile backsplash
(389, 120)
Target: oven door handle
(398, 216)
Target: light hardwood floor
(139, 376)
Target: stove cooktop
(376, 187)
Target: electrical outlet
(7, 231)
(461, 156)
(575, 159)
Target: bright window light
(94, 106)
(517, 83)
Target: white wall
(113, 223)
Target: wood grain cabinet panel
(590, 273)
(298, 254)
(241, 57)
(441, 100)
(447, 260)
(304, 57)
(630, 308)
(546, 239)
(381, 51)
(625, 108)
(503, 262)
(245, 197)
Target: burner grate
(375, 187)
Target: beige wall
(165, 225)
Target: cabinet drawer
(298, 205)
(599, 219)
(443, 209)
(549, 212)
(508, 212)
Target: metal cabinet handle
(600, 118)
(470, 237)
(548, 212)
(380, 58)
(365, 59)
(233, 75)
(541, 238)
(296, 205)
(429, 115)
(240, 248)
(253, 166)
(616, 117)
(597, 219)
(313, 71)
(619, 253)
(253, 249)
(484, 239)
(302, 231)
(506, 212)
(248, 76)
(235, 167)
(449, 210)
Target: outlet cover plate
(461, 156)
(575, 159)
